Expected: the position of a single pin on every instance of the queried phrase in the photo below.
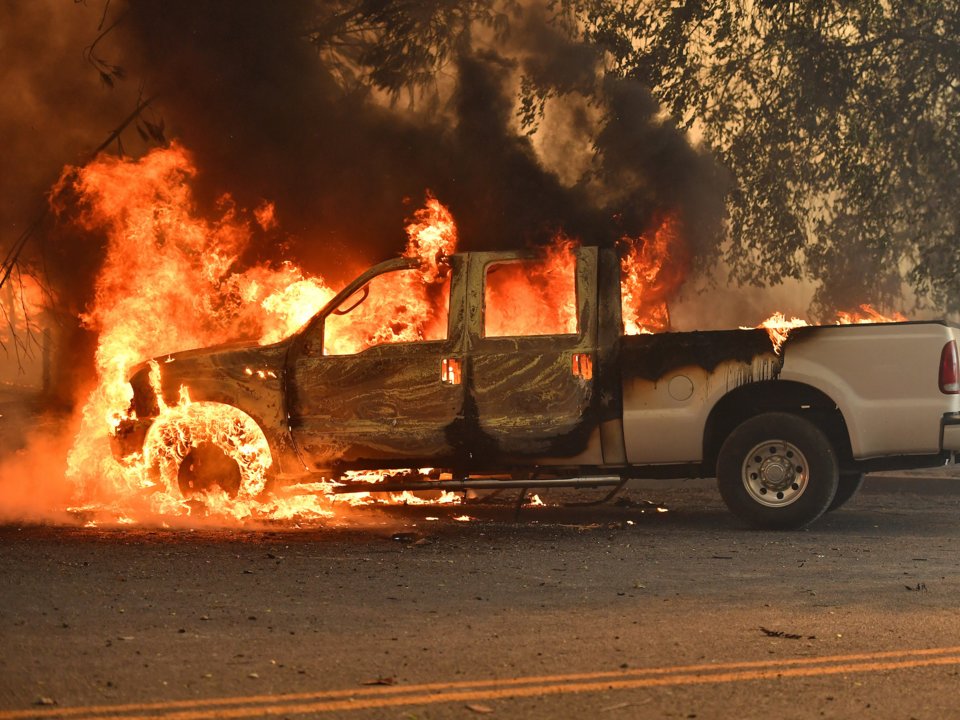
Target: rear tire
(849, 484)
(777, 471)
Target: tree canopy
(836, 121)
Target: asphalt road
(612, 612)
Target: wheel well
(774, 396)
(257, 411)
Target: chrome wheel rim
(775, 473)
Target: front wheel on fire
(777, 471)
(209, 452)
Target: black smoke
(267, 118)
(243, 89)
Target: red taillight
(949, 369)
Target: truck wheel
(777, 471)
(206, 467)
(848, 486)
(204, 446)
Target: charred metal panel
(653, 356)
(247, 377)
(671, 381)
(609, 331)
(387, 402)
(383, 406)
(527, 399)
(609, 387)
(664, 419)
(592, 456)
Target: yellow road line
(472, 690)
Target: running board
(482, 484)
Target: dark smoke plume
(243, 89)
(267, 117)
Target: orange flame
(779, 327)
(402, 306)
(170, 282)
(431, 236)
(866, 315)
(158, 290)
(653, 267)
(533, 297)
(266, 215)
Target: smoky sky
(54, 110)
(239, 84)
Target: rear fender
(753, 399)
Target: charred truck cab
(487, 402)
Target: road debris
(618, 706)
(379, 680)
(785, 635)
(480, 709)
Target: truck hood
(216, 373)
(226, 352)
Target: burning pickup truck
(486, 402)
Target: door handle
(581, 364)
(450, 371)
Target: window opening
(396, 307)
(532, 297)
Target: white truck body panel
(888, 411)
(862, 368)
(663, 424)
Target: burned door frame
(536, 405)
(387, 406)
